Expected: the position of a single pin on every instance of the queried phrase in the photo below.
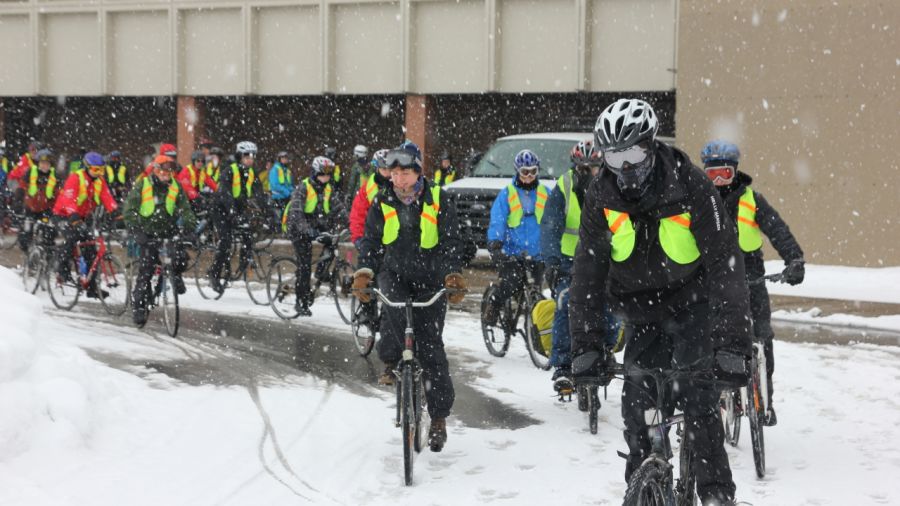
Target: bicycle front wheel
(255, 278)
(686, 490)
(408, 421)
(650, 485)
(33, 270)
(340, 285)
(363, 334)
(281, 287)
(539, 357)
(205, 258)
(168, 298)
(116, 281)
(63, 283)
(496, 338)
(755, 412)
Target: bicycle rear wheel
(363, 334)
(340, 285)
(115, 280)
(168, 298)
(255, 278)
(63, 283)
(730, 412)
(33, 269)
(281, 287)
(205, 258)
(407, 421)
(686, 490)
(532, 337)
(496, 338)
(650, 485)
(755, 412)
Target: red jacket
(67, 201)
(39, 202)
(184, 180)
(358, 211)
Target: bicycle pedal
(565, 395)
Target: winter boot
(302, 308)
(437, 434)
(180, 289)
(139, 317)
(562, 382)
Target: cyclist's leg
(225, 227)
(512, 279)
(303, 253)
(179, 258)
(561, 353)
(141, 292)
(700, 402)
(647, 348)
(27, 230)
(428, 325)
(761, 311)
(393, 322)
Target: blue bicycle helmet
(720, 150)
(93, 158)
(527, 158)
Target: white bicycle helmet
(624, 123)
(360, 151)
(246, 148)
(322, 165)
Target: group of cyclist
(634, 239)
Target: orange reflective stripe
(428, 217)
(747, 205)
(618, 223)
(516, 208)
(748, 222)
(539, 204)
(681, 221)
(390, 215)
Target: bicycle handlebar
(775, 278)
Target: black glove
(551, 276)
(732, 368)
(794, 271)
(324, 239)
(495, 248)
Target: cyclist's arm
(298, 226)
(774, 227)
(552, 226)
(371, 250)
(358, 212)
(587, 294)
(109, 202)
(188, 218)
(499, 213)
(131, 208)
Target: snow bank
(841, 283)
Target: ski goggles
(529, 171)
(166, 166)
(403, 159)
(720, 174)
(96, 169)
(634, 155)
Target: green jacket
(160, 224)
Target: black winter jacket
(404, 256)
(301, 224)
(648, 286)
(770, 224)
(225, 200)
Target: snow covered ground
(88, 416)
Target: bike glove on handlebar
(456, 281)
(794, 271)
(732, 368)
(361, 280)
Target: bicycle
(73, 275)
(38, 257)
(363, 328)
(246, 265)
(497, 337)
(409, 386)
(751, 401)
(329, 269)
(164, 291)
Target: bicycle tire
(64, 293)
(730, 415)
(650, 485)
(340, 285)
(497, 348)
(418, 404)
(169, 301)
(407, 422)
(363, 335)
(205, 257)
(33, 269)
(593, 399)
(686, 489)
(255, 278)
(114, 279)
(532, 336)
(755, 413)
(280, 285)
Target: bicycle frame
(101, 251)
(763, 383)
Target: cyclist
(189, 176)
(40, 191)
(360, 171)
(311, 211)
(338, 176)
(26, 161)
(381, 178)
(116, 175)
(84, 190)
(559, 236)
(165, 149)
(755, 217)
(237, 186)
(412, 239)
(515, 231)
(209, 177)
(656, 246)
(154, 210)
(446, 173)
(281, 182)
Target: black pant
(228, 225)
(143, 293)
(677, 342)
(428, 327)
(74, 235)
(762, 328)
(513, 276)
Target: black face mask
(527, 186)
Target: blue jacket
(524, 238)
(552, 226)
(280, 191)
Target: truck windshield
(498, 161)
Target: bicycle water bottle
(82, 267)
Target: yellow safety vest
(675, 237)
(236, 181)
(193, 173)
(451, 175)
(148, 203)
(112, 176)
(749, 236)
(515, 205)
(428, 221)
(312, 198)
(336, 176)
(282, 170)
(569, 239)
(209, 172)
(4, 164)
(82, 188)
(371, 189)
(33, 182)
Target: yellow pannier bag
(542, 317)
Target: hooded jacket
(526, 238)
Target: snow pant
(561, 354)
(513, 276)
(428, 327)
(143, 291)
(762, 328)
(227, 226)
(681, 341)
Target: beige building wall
(809, 90)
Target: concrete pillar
(191, 127)
(3, 123)
(418, 126)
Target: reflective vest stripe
(284, 217)
(371, 189)
(748, 222)
(749, 235)
(569, 240)
(614, 226)
(148, 203)
(429, 217)
(312, 199)
(675, 237)
(193, 174)
(428, 222)
(236, 181)
(514, 219)
(390, 214)
(33, 182)
(747, 205)
(683, 220)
